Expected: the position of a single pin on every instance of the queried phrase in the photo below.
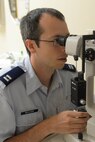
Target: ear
(30, 45)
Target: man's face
(48, 53)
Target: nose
(63, 48)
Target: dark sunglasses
(58, 41)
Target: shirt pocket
(28, 120)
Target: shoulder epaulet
(11, 75)
(69, 67)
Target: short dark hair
(29, 24)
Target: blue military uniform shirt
(25, 101)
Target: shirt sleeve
(7, 119)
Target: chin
(60, 67)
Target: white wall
(79, 14)
(10, 38)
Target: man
(35, 94)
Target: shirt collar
(57, 81)
(33, 82)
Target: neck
(44, 73)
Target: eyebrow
(56, 36)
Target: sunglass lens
(61, 41)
